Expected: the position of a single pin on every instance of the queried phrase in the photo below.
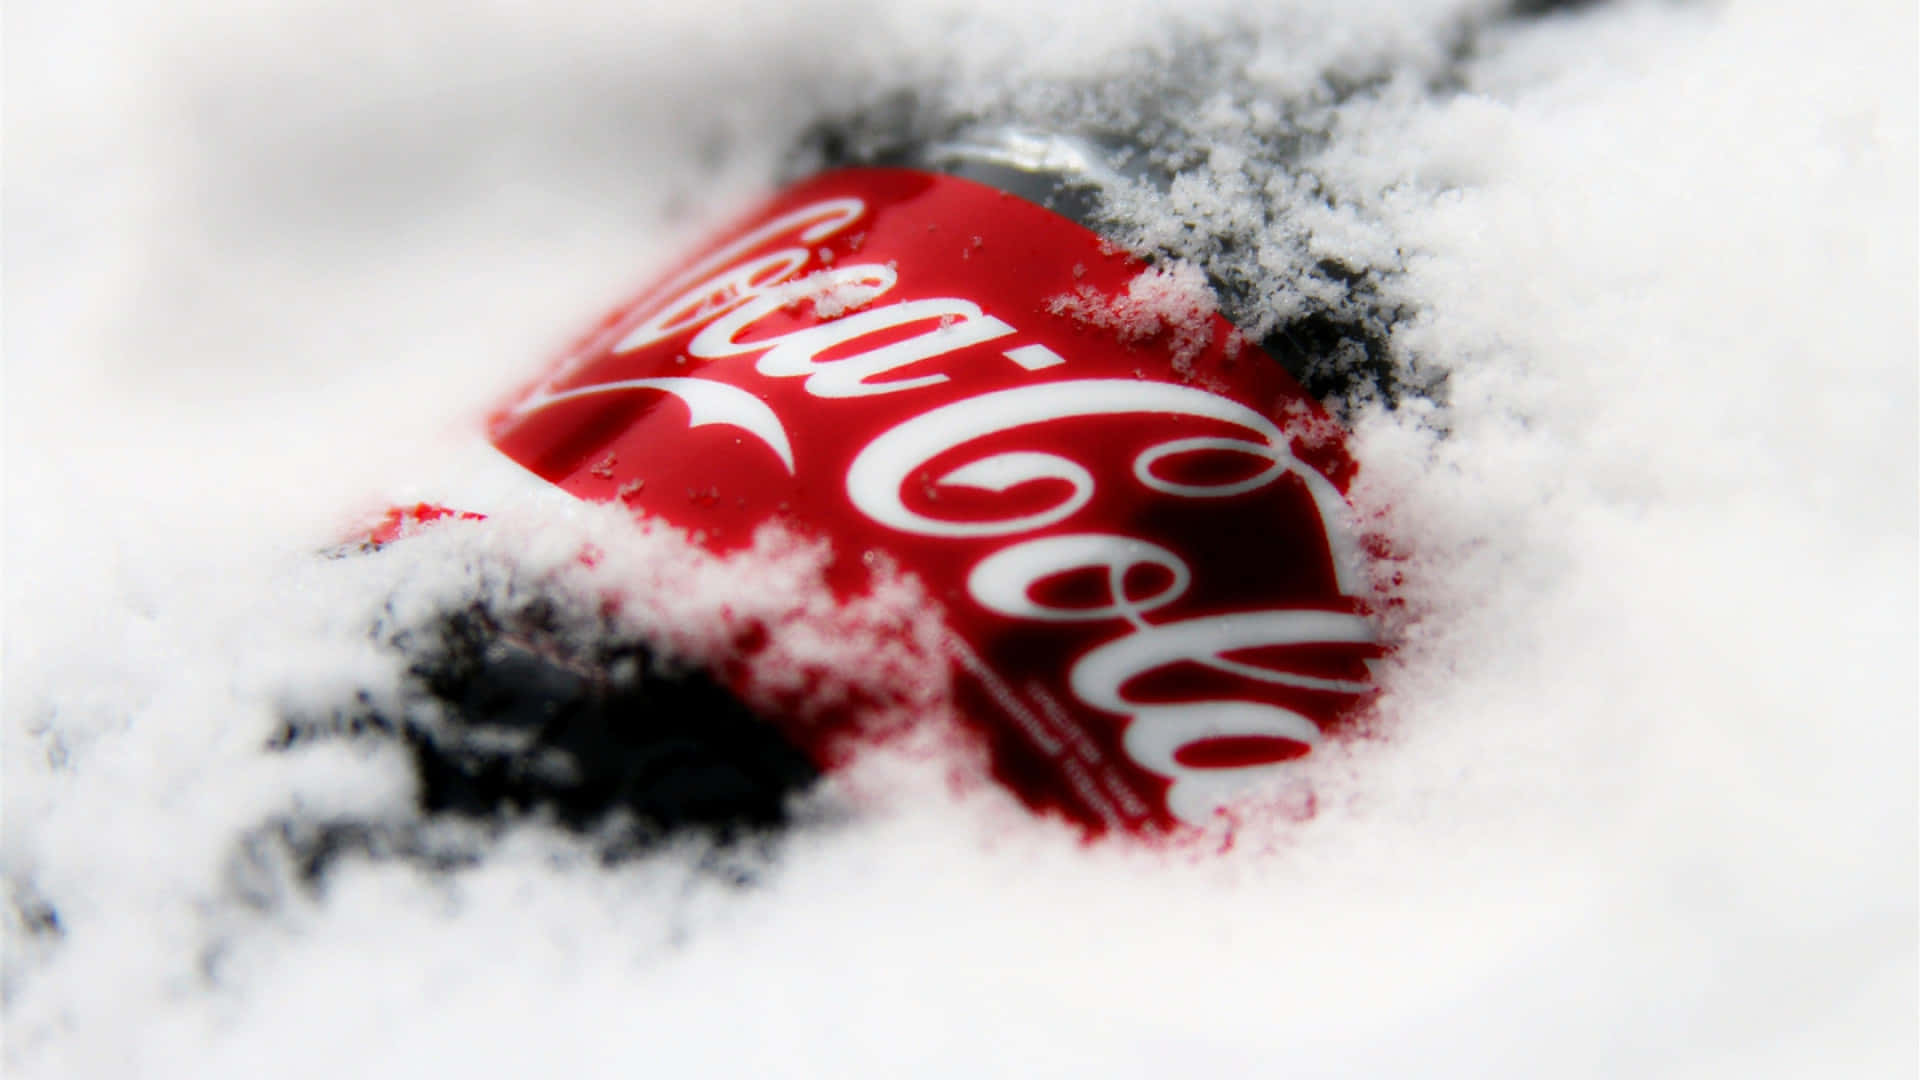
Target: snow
(1174, 300)
(1645, 798)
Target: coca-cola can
(1127, 522)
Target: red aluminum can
(1127, 523)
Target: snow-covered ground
(1646, 804)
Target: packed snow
(1640, 280)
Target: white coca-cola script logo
(722, 300)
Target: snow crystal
(1172, 300)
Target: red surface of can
(1133, 525)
